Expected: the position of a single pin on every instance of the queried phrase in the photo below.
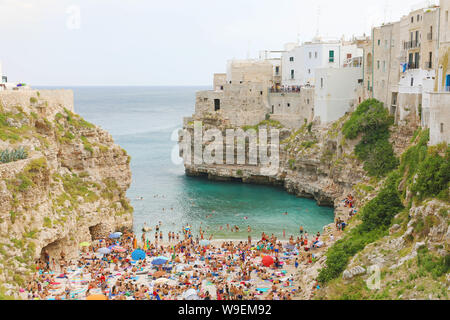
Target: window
(291, 59)
(315, 55)
(310, 55)
(349, 55)
(321, 83)
(446, 16)
(277, 70)
(292, 74)
(309, 71)
(307, 101)
(288, 105)
(384, 66)
(331, 55)
(442, 128)
(379, 42)
(216, 104)
(412, 19)
(412, 82)
(378, 64)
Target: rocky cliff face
(70, 188)
(320, 163)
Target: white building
(299, 63)
(336, 92)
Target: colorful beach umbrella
(104, 251)
(159, 261)
(138, 255)
(85, 244)
(267, 261)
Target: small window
(321, 82)
(216, 104)
(442, 128)
(292, 74)
(412, 82)
(379, 42)
(310, 55)
(309, 71)
(307, 101)
(331, 54)
(291, 59)
(315, 55)
(288, 105)
(378, 64)
(412, 19)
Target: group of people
(204, 270)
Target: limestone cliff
(70, 188)
(321, 162)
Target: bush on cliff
(372, 121)
(377, 216)
(423, 171)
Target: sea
(145, 121)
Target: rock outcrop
(70, 189)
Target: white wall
(310, 56)
(338, 94)
(286, 66)
(423, 81)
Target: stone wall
(292, 109)
(45, 102)
(439, 118)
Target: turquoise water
(143, 120)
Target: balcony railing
(411, 44)
(413, 65)
(289, 89)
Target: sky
(166, 42)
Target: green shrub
(372, 121)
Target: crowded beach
(181, 266)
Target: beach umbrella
(138, 255)
(267, 261)
(169, 282)
(205, 243)
(159, 261)
(97, 297)
(115, 235)
(190, 294)
(85, 244)
(104, 251)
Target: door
(447, 83)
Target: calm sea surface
(144, 121)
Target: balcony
(411, 44)
(413, 65)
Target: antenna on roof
(318, 21)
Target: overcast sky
(166, 42)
